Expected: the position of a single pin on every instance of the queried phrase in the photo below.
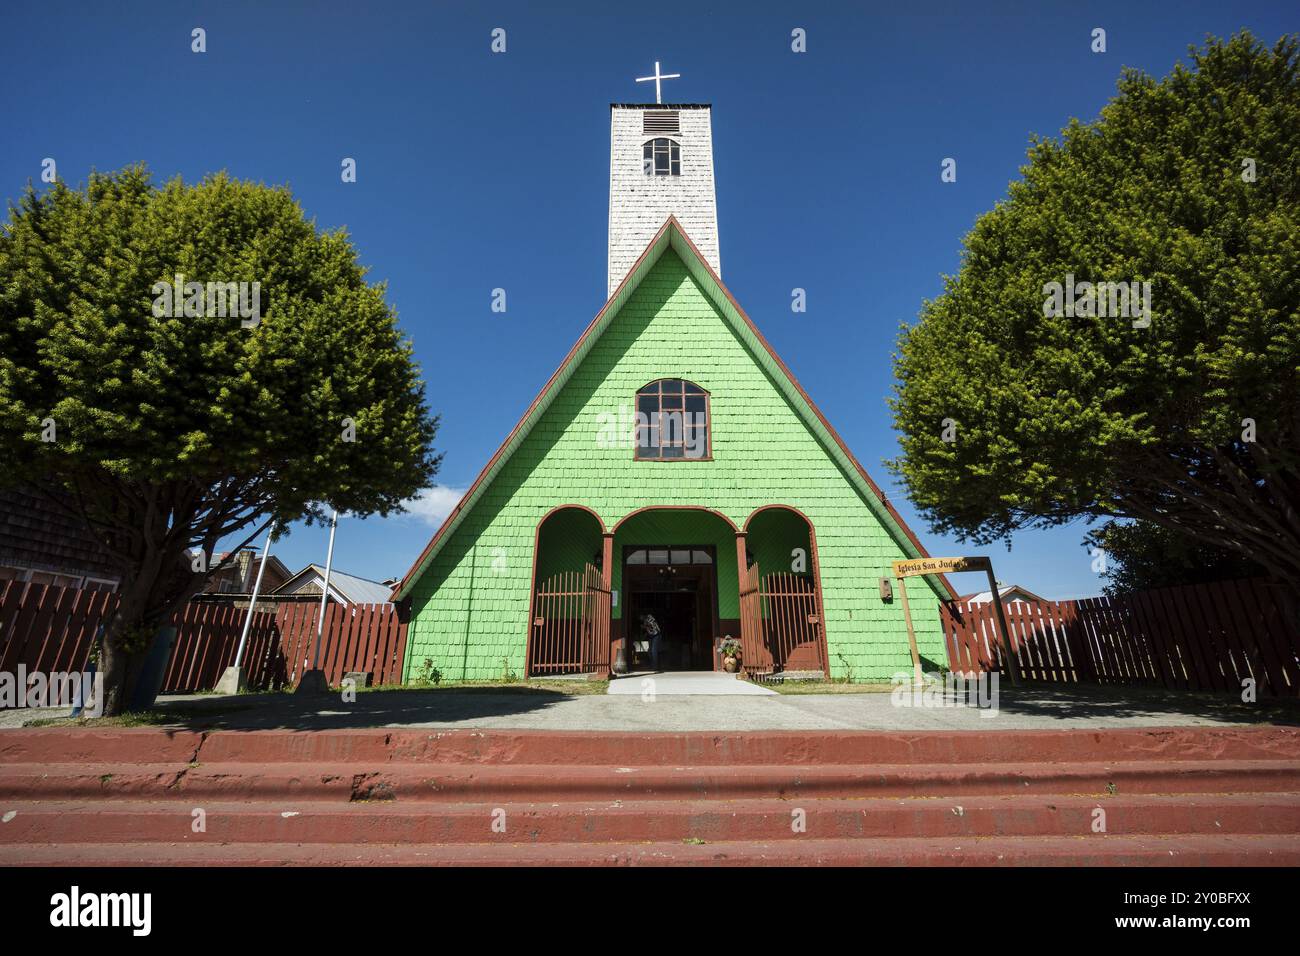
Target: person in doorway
(650, 628)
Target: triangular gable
(344, 587)
(671, 235)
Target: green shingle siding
(470, 608)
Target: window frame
(673, 147)
(708, 421)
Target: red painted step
(1209, 796)
(595, 748)
(1100, 850)
(654, 821)
(442, 783)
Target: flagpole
(325, 589)
(252, 604)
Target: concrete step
(290, 821)
(543, 783)
(1093, 850)
(699, 749)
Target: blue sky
(478, 171)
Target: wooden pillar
(1013, 667)
(911, 633)
(607, 582)
(742, 539)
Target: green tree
(1142, 555)
(166, 427)
(1190, 423)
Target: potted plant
(730, 648)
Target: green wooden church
(671, 468)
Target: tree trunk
(148, 600)
(112, 663)
(123, 656)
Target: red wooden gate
(754, 656)
(780, 623)
(570, 624)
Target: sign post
(922, 566)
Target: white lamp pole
(257, 586)
(325, 589)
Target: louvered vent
(660, 121)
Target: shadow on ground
(370, 709)
(1054, 702)
(1028, 707)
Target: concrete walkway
(693, 683)
(538, 708)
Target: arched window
(672, 422)
(662, 157)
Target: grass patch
(145, 718)
(572, 688)
(169, 714)
(827, 687)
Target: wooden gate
(570, 625)
(754, 656)
(780, 624)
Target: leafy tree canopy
(1192, 184)
(175, 426)
(1141, 555)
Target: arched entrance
(677, 566)
(568, 629)
(782, 626)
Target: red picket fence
(1205, 637)
(48, 628)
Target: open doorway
(677, 586)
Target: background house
(44, 545)
(239, 575)
(344, 588)
(1010, 594)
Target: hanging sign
(907, 569)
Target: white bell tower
(660, 164)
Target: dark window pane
(673, 420)
(673, 428)
(677, 168)
(661, 163)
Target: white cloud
(434, 504)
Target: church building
(671, 468)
